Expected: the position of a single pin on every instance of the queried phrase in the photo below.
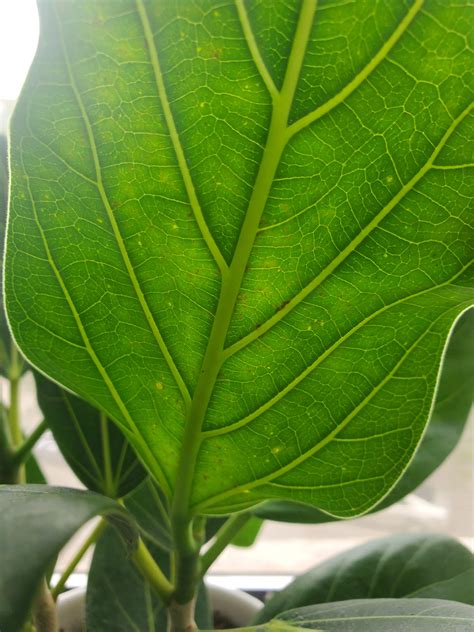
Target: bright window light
(19, 29)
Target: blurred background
(443, 504)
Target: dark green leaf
(95, 449)
(150, 508)
(451, 410)
(398, 566)
(36, 523)
(252, 223)
(376, 615)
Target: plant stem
(44, 613)
(23, 452)
(16, 436)
(223, 538)
(77, 558)
(150, 570)
(109, 475)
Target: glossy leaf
(450, 413)
(95, 449)
(376, 615)
(398, 566)
(36, 523)
(117, 596)
(245, 231)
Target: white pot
(72, 610)
(237, 605)
(240, 607)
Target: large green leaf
(398, 566)
(448, 418)
(376, 615)
(241, 229)
(96, 450)
(36, 523)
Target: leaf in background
(376, 615)
(214, 222)
(450, 413)
(33, 472)
(117, 596)
(36, 523)
(248, 533)
(397, 566)
(149, 506)
(95, 449)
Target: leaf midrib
(232, 280)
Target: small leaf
(95, 449)
(376, 615)
(36, 523)
(397, 566)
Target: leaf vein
(117, 232)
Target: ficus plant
(238, 260)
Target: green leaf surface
(397, 566)
(376, 615)
(5, 337)
(117, 596)
(95, 449)
(451, 411)
(241, 230)
(36, 523)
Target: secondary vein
(254, 49)
(313, 366)
(328, 438)
(361, 76)
(350, 248)
(137, 437)
(116, 229)
(175, 139)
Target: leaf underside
(376, 615)
(250, 218)
(397, 566)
